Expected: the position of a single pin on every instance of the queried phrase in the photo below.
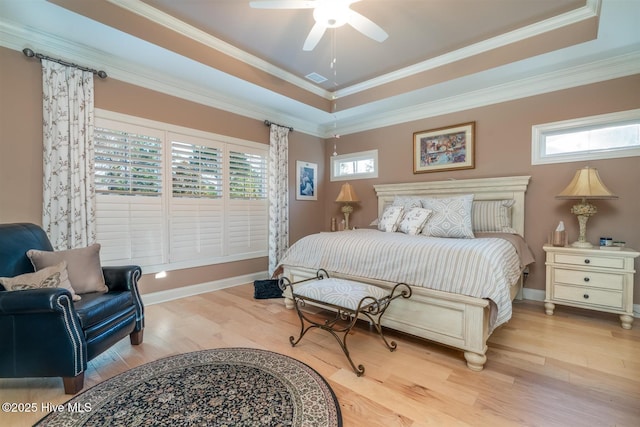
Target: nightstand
(594, 279)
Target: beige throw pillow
(83, 265)
(55, 276)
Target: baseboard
(538, 295)
(200, 288)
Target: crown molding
(311, 121)
(623, 65)
(158, 17)
(17, 38)
(589, 10)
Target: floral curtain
(68, 213)
(278, 194)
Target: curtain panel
(68, 214)
(278, 194)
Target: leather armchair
(43, 333)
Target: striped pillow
(492, 216)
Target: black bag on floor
(264, 289)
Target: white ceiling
(423, 35)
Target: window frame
(601, 121)
(353, 157)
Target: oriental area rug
(219, 387)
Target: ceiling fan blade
(314, 36)
(367, 27)
(283, 4)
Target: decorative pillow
(83, 265)
(390, 218)
(55, 276)
(407, 202)
(451, 217)
(414, 220)
(492, 216)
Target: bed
(448, 307)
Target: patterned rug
(220, 387)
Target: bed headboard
(508, 187)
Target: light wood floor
(575, 368)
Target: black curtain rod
(268, 123)
(30, 54)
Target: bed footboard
(453, 320)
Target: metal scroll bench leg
(368, 300)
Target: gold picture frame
(443, 149)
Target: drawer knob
(587, 261)
(585, 296)
(586, 279)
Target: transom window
(363, 164)
(597, 137)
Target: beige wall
(21, 153)
(503, 148)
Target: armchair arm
(122, 278)
(31, 301)
(41, 334)
(125, 278)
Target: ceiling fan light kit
(327, 14)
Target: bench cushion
(339, 292)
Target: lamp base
(582, 245)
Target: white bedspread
(481, 267)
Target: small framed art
(444, 149)
(307, 181)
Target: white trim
(606, 69)
(158, 17)
(539, 133)
(201, 288)
(589, 10)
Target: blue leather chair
(43, 333)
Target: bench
(348, 299)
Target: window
(597, 137)
(354, 166)
(170, 197)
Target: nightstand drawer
(591, 279)
(590, 261)
(588, 296)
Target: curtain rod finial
(28, 52)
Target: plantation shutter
(197, 204)
(247, 207)
(128, 180)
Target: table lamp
(347, 195)
(586, 184)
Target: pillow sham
(83, 266)
(451, 217)
(414, 220)
(390, 218)
(407, 202)
(55, 276)
(492, 216)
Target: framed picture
(307, 181)
(444, 149)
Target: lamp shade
(347, 194)
(586, 184)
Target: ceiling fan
(327, 14)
